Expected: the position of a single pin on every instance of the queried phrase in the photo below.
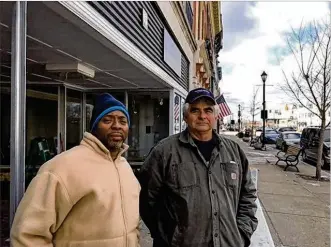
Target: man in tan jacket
(87, 196)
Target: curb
(262, 236)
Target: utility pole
(239, 116)
(252, 130)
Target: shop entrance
(67, 63)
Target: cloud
(236, 23)
(254, 40)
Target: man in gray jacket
(196, 186)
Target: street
(292, 210)
(262, 157)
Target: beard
(112, 145)
(113, 141)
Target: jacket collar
(95, 144)
(185, 137)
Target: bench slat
(293, 150)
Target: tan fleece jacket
(80, 198)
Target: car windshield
(327, 135)
(271, 132)
(287, 129)
(292, 136)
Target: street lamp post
(239, 117)
(264, 78)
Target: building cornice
(216, 23)
(183, 22)
(204, 55)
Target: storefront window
(149, 114)
(4, 160)
(41, 127)
(5, 126)
(74, 118)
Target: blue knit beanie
(104, 104)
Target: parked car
(309, 142)
(283, 129)
(259, 131)
(286, 139)
(270, 136)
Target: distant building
(292, 115)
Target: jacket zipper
(122, 206)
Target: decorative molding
(180, 14)
(216, 23)
(204, 55)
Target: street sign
(265, 115)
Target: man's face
(200, 116)
(112, 130)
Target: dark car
(283, 129)
(309, 142)
(270, 136)
(286, 139)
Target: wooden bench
(290, 157)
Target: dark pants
(161, 243)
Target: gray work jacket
(188, 202)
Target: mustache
(115, 133)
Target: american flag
(224, 108)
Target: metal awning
(52, 39)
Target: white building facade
(293, 115)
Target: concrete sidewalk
(297, 210)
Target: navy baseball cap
(198, 93)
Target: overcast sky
(253, 38)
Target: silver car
(286, 139)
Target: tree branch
(290, 91)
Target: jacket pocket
(231, 174)
(187, 175)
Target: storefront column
(126, 102)
(18, 106)
(83, 114)
(61, 119)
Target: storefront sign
(171, 54)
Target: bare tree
(253, 108)
(310, 47)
